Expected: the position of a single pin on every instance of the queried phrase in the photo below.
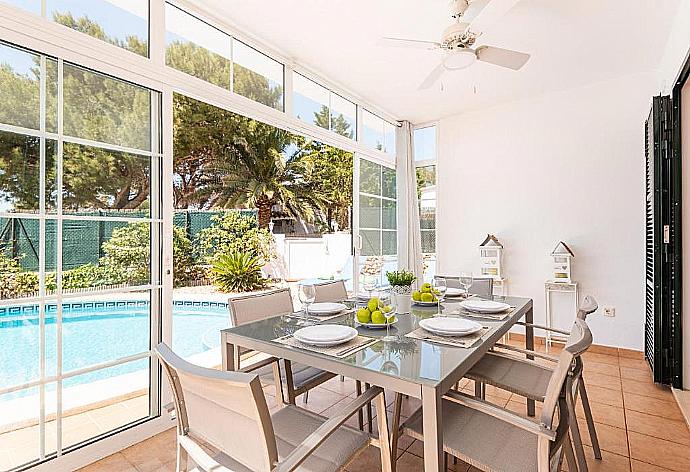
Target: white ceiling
(572, 43)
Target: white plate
(454, 292)
(446, 326)
(420, 303)
(325, 335)
(377, 325)
(484, 306)
(326, 308)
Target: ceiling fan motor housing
(457, 36)
(458, 8)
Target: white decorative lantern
(491, 257)
(561, 263)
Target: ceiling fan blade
(487, 12)
(408, 43)
(473, 10)
(431, 79)
(502, 57)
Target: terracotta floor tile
(630, 354)
(653, 406)
(638, 466)
(115, 463)
(608, 350)
(636, 373)
(604, 395)
(343, 388)
(368, 460)
(602, 380)
(609, 462)
(153, 454)
(601, 358)
(597, 367)
(410, 463)
(606, 414)
(651, 425)
(648, 389)
(611, 439)
(659, 452)
(320, 399)
(635, 363)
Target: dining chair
(330, 292)
(298, 378)
(336, 291)
(228, 412)
(492, 438)
(529, 379)
(482, 286)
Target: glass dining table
(422, 369)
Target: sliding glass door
(80, 255)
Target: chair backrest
(330, 291)
(588, 306)
(482, 286)
(259, 306)
(578, 342)
(223, 408)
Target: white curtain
(409, 234)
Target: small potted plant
(401, 287)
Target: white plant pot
(403, 298)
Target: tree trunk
(264, 205)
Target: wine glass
(466, 281)
(307, 295)
(439, 288)
(369, 283)
(387, 308)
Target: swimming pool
(95, 332)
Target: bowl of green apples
(425, 296)
(371, 316)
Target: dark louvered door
(663, 287)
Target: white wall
(677, 47)
(566, 165)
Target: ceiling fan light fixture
(459, 59)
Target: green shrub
(234, 232)
(237, 272)
(13, 282)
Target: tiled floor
(639, 424)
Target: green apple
(417, 295)
(426, 288)
(390, 320)
(364, 315)
(378, 318)
(427, 297)
(373, 304)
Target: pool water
(98, 332)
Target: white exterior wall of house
(561, 166)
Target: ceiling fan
(471, 17)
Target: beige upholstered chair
(331, 292)
(530, 379)
(482, 286)
(298, 378)
(228, 411)
(492, 438)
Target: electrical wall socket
(609, 311)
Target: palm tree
(261, 176)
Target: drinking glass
(369, 282)
(307, 295)
(466, 281)
(387, 309)
(439, 288)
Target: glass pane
(372, 129)
(124, 23)
(257, 76)
(20, 172)
(428, 241)
(105, 109)
(389, 137)
(19, 430)
(369, 177)
(34, 6)
(389, 215)
(389, 182)
(425, 143)
(343, 116)
(99, 402)
(20, 87)
(105, 253)
(101, 182)
(97, 330)
(371, 242)
(196, 48)
(369, 212)
(51, 95)
(194, 327)
(389, 243)
(310, 101)
(426, 177)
